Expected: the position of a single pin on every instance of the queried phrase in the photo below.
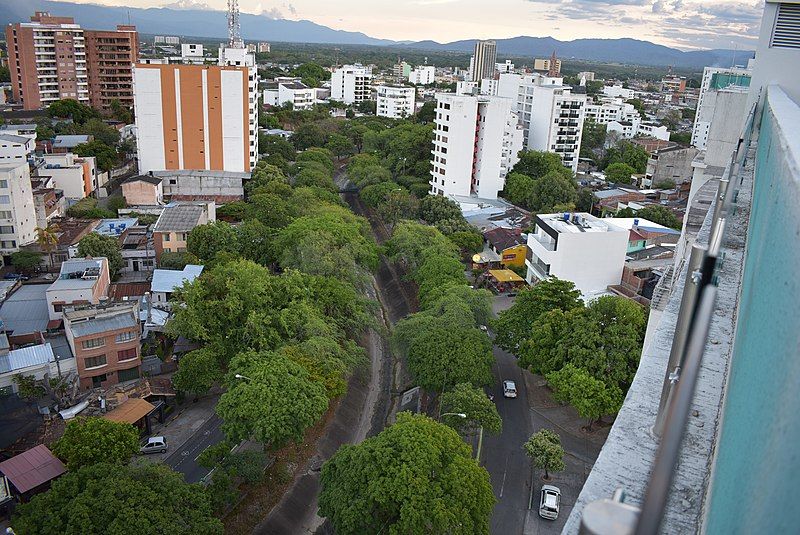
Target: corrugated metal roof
(133, 410)
(25, 311)
(11, 138)
(26, 357)
(70, 140)
(32, 468)
(168, 280)
(90, 327)
(180, 218)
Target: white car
(549, 502)
(154, 445)
(509, 389)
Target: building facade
(110, 56)
(17, 211)
(476, 142)
(395, 102)
(351, 84)
(422, 75)
(75, 176)
(715, 80)
(15, 149)
(80, 281)
(292, 91)
(484, 60)
(176, 222)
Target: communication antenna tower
(234, 26)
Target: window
(165, 236)
(126, 354)
(5, 199)
(98, 380)
(93, 342)
(94, 362)
(128, 375)
(125, 337)
(6, 229)
(3, 183)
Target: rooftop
(131, 411)
(11, 138)
(79, 273)
(32, 468)
(96, 320)
(17, 127)
(70, 141)
(169, 280)
(26, 357)
(576, 223)
(144, 178)
(200, 173)
(115, 227)
(179, 218)
(25, 310)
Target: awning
(505, 275)
(130, 412)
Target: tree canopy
(94, 440)
(198, 371)
(544, 448)
(661, 215)
(96, 245)
(416, 476)
(620, 173)
(472, 401)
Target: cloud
(188, 4)
(274, 12)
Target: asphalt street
(184, 460)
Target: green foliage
(591, 397)
(627, 153)
(667, 183)
(213, 455)
(263, 175)
(120, 112)
(684, 138)
(197, 372)
(311, 74)
(468, 242)
(106, 156)
(248, 465)
(327, 361)
(96, 245)
(317, 154)
(367, 106)
(276, 146)
(88, 208)
(416, 476)
(95, 440)
(405, 148)
(25, 261)
(427, 113)
(435, 208)
(661, 215)
(540, 193)
(518, 189)
(101, 131)
(639, 105)
(221, 491)
(206, 241)
(110, 498)
(513, 326)
(619, 173)
(594, 135)
(585, 200)
(71, 109)
(551, 191)
(115, 203)
(366, 169)
(472, 401)
(340, 145)
(175, 260)
(412, 242)
(537, 164)
(436, 273)
(308, 135)
(544, 448)
(28, 387)
(273, 403)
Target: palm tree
(47, 238)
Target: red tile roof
(32, 468)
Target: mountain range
(204, 22)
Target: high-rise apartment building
(47, 60)
(351, 84)
(551, 65)
(484, 60)
(110, 56)
(476, 142)
(53, 58)
(422, 75)
(716, 80)
(17, 212)
(198, 116)
(395, 102)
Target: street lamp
(239, 376)
(459, 414)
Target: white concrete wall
(19, 207)
(149, 119)
(232, 121)
(455, 133)
(774, 65)
(395, 102)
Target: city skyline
(684, 24)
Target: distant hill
(212, 24)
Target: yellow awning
(505, 275)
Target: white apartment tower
(351, 84)
(17, 211)
(716, 80)
(422, 75)
(476, 142)
(395, 102)
(484, 60)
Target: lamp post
(459, 414)
(239, 376)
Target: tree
(468, 242)
(197, 372)
(472, 401)
(101, 132)
(312, 74)
(25, 261)
(536, 164)
(514, 325)
(106, 156)
(47, 238)
(273, 402)
(71, 109)
(639, 105)
(594, 135)
(518, 189)
(115, 203)
(585, 200)
(667, 183)
(367, 106)
(112, 498)
(411, 243)
(619, 173)
(97, 246)
(552, 190)
(308, 135)
(176, 260)
(120, 112)
(435, 208)
(661, 215)
(416, 476)
(684, 138)
(427, 113)
(94, 440)
(399, 204)
(672, 119)
(591, 397)
(206, 241)
(276, 145)
(340, 145)
(544, 448)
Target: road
(185, 459)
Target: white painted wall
(19, 212)
(395, 102)
(232, 121)
(455, 134)
(149, 119)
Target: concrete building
(589, 76)
(670, 164)
(547, 65)
(110, 56)
(143, 190)
(66, 143)
(395, 102)
(23, 130)
(578, 247)
(47, 61)
(673, 84)
(106, 343)
(466, 87)
(483, 60)
(351, 84)
(48, 203)
(75, 176)
(138, 249)
(291, 91)
(17, 211)
(80, 281)
(15, 149)
(401, 71)
(216, 186)
(715, 80)
(476, 143)
(617, 91)
(422, 75)
(176, 222)
(167, 281)
(505, 67)
(611, 109)
(35, 361)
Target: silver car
(549, 502)
(154, 445)
(509, 389)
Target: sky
(685, 24)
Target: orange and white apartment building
(197, 116)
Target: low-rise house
(75, 176)
(166, 281)
(49, 203)
(509, 244)
(25, 130)
(202, 185)
(31, 472)
(611, 200)
(66, 143)
(144, 189)
(81, 281)
(138, 249)
(176, 222)
(35, 361)
(289, 90)
(670, 164)
(65, 233)
(106, 343)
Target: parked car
(154, 445)
(15, 277)
(549, 502)
(509, 389)
(484, 328)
